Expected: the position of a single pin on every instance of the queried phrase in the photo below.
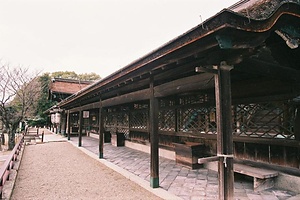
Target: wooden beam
(254, 88)
(130, 85)
(192, 83)
(224, 132)
(198, 82)
(90, 106)
(127, 98)
(154, 166)
(76, 109)
(255, 66)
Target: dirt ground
(58, 170)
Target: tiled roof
(67, 86)
(258, 9)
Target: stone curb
(145, 184)
(297, 197)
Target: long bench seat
(262, 178)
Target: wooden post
(60, 125)
(43, 136)
(224, 131)
(297, 124)
(69, 124)
(154, 166)
(65, 124)
(176, 115)
(80, 128)
(101, 130)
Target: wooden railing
(9, 164)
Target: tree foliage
(88, 76)
(65, 75)
(72, 75)
(43, 103)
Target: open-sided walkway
(175, 180)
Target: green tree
(43, 103)
(88, 76)
(72, 75)
(64, 74)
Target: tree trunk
(3, 139)
(11, 139)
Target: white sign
(86, 114)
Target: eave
(199, 46)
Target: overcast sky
(98, 36)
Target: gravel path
(58, 170)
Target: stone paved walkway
(183, 182)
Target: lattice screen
(123, 123)
(265, 120)
(262, 120)
(109, 119)
(139, 119)
(201, 120)
(196, 114)
(117, 121)
(167, 120)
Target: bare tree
(19, 91)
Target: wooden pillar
(154, 165)
(65, 124)
(80, 128)
(297, 124)
(224, 131)
(129, 120)
(60, 126)
(176, 115)
(69, 124)
(101, 130)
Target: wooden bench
(187, 154)
(262, 178)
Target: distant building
(61, 88)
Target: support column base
(154, 182)
(101, 155)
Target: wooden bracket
(207, 69)
(208, 159)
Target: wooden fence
(9, 164)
